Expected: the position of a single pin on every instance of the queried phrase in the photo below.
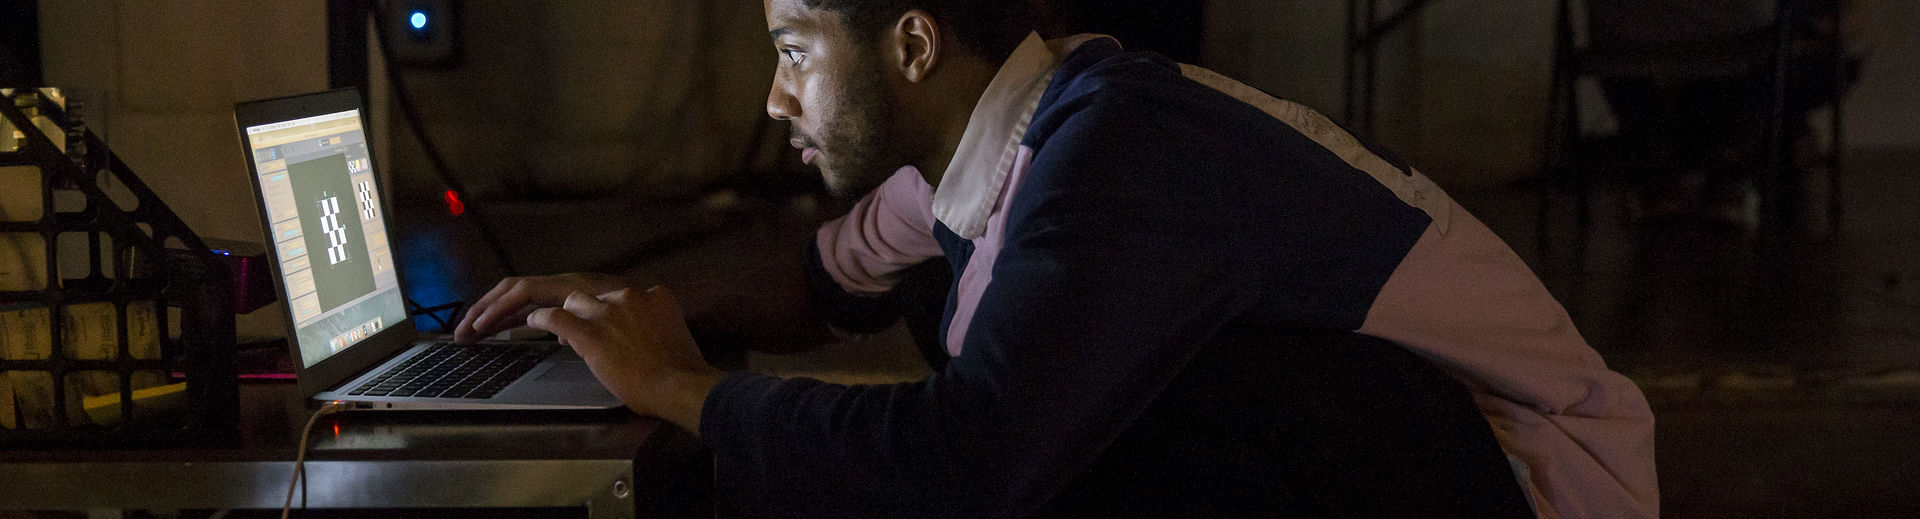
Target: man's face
(830, 86)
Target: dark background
(630, 136)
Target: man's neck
(953, 101)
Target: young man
(1173, 295)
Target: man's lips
(807, 153)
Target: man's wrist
(685, 394)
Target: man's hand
(638, 345)
(507, 305)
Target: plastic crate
(150, 308)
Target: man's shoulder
(1113, 90)
(1103, 75)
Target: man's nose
(781, 105)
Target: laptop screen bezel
(350, 362)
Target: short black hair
(988, 28)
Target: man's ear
(916, 45)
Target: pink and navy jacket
(1107, 215)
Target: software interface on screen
(323, 210)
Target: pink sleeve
(888, 230)
(1463, 299)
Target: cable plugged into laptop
(300, 459)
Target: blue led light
(222, 252)
(419, 20)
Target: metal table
(610, 463)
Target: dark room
(959, 258)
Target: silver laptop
(318, 192)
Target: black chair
(1769, 52)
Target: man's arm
(842, 277)
(1114, 273)
(1116, 270)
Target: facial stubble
(853, 161)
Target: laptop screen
(323, 213)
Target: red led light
(453, 203)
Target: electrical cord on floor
(440, 168)
(300, 459)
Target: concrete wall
(594, 97)
(566, 99)
(160, 79)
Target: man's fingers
(618, 296)
(465, 332)
(507, 306)
(661, 297)
(511, 301)
(559, 321)
(583, 305)
(657, 300)
(498, 290)
(477, 321)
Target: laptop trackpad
(568, 371)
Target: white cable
(300, 459)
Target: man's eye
(792, 56)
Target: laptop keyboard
(446, 370)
